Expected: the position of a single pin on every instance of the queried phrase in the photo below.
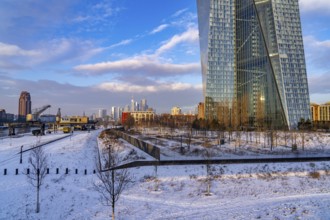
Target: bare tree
(111, 182)
(209, 177)
(38, 162)
(129, 123)
(188, 139)
(302, 136)
(286, 137)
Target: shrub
(148, 178)
(315, 175)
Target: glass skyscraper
(253, 62)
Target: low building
(321, 115)
(47, 118)
(3, 115)
(70, 120)
(182, 120)
(140, 117)
(320, 112)
(143, 116)
(176, 111)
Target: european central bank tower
(253, 63)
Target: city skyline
(83, 56)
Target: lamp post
(20, 161)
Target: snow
(240, 191)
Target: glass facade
(253, 62)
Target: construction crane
(36, 113)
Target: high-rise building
(132, 105)
(143, 105)
(24, 104)
(137, 106)
(102, 113)
(253, 62)
(116, 113)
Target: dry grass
(315, 175)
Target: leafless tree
(129, 123)
(208, 155)
(189, 136)
(286, 136)
(302, 136)
(294, 140)
(38, 163)
(111, 182)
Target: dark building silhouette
(24, 105)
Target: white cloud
(150, 65)
(80, 18)
(317, 53)
(121, 43)
(159, 87)
(139, 64)
(72, 99)
(159, 28)
(53, 51)
(315, 5)
(13, 50)
(319, 84)
(191, 36)
(313, 42)
(177, 13)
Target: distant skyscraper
(143, 105)
(253, 62)
(137, 106)
(24, 104)
(102, 113)
(132, 105)
(115, 113)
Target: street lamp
(20, 161)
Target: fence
(150, 149)
(48, 171)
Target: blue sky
(81, 55)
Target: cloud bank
(320, 6)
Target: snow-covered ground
(237, 144)
(253, 191)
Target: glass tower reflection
(253, 62)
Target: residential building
(139, 116)
(320, 112)
(253, 62)
(201, 111)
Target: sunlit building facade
(253, 62)
(320, 112)
(24, 105)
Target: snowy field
(253, 191)
(237, 144)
